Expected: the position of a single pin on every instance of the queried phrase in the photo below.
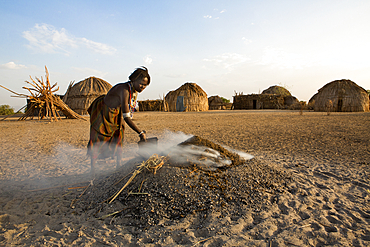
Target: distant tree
(225, 100)
(368, 91)
(6, 110)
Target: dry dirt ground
(307, 185)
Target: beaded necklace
(132, 99)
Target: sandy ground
(43, 165)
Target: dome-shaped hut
(343, 95)
(188, 97)
(216, 103)
(278, 90)
(80, 95)
(291, 101)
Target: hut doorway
(180, 104)
(340, 104)
(254, 104)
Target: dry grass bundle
(44, 101)
(153, 164)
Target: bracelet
(142, 132)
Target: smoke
(167, 141)
(67, 164)
(186, 155)
(206, 158)
(241, 154)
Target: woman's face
(140, 85)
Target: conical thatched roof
(344, 95)
(188, 97)
(277, 90)
(80, 95)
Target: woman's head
(140, 79)
(139, 74)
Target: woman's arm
(127, 115)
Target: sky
(226, 47)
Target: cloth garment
(106, 130)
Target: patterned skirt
(106, 130)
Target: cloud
(148, 60)
(97, 47)
(216, 13)
(227, 60)
(12, 65)
(47, 39)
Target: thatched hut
(80, 95)
(151, 105)
(216, 103)
(341, 96)
(278, 90)
(290, 101)
(258, 101)
(275, 97)
(188, 97)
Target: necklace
(132, 98)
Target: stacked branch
(44, 101)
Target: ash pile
(195, 178)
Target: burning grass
(152, 196)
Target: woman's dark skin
(119, 96)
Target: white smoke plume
(204, 157)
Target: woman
(106, 113)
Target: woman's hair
(140, 73)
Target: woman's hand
(142, 136)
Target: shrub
(225, 100)
(6, 110)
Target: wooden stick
(83, 192)
(108, 215)
(47, 76)
(78, 187)
(13, 91)
(122, 178)
(141, 185)
(128, 182)
(35, 84)
(200, 241)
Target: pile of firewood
(44, 101)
